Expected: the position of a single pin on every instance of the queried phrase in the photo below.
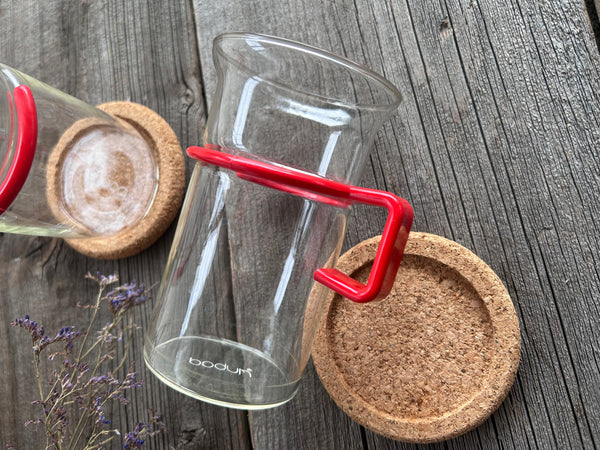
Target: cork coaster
(431, 361)
(145, 167)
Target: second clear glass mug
(68, 169)
(264, 218)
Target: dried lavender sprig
(143, 431)
(119, 300)
(69, 387)
(102, 281)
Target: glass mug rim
(317, 53)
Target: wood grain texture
(99, 52)
(494, 145)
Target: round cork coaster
(432, 360)
(146, 170)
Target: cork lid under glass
(125, 184)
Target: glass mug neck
(297, 105)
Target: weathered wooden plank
(310, 420)
(540, 131)
(494, 147)
(97, 51)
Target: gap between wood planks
(592, 7)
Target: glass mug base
(221, 372)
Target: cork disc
(431, 361)
(146, 170)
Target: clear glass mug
(67, 168)
(264, 218)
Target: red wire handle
(25, 148)
(394, 236)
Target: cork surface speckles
(432, 360)
(124, 186)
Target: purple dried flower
(125, 297)
(103, 280)
(39, 339)
(60, 414)
(133, 439)
(38, 336)
(101, 379)
(67, 335)
(34, 422)
(144, 430)
(99, 413)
